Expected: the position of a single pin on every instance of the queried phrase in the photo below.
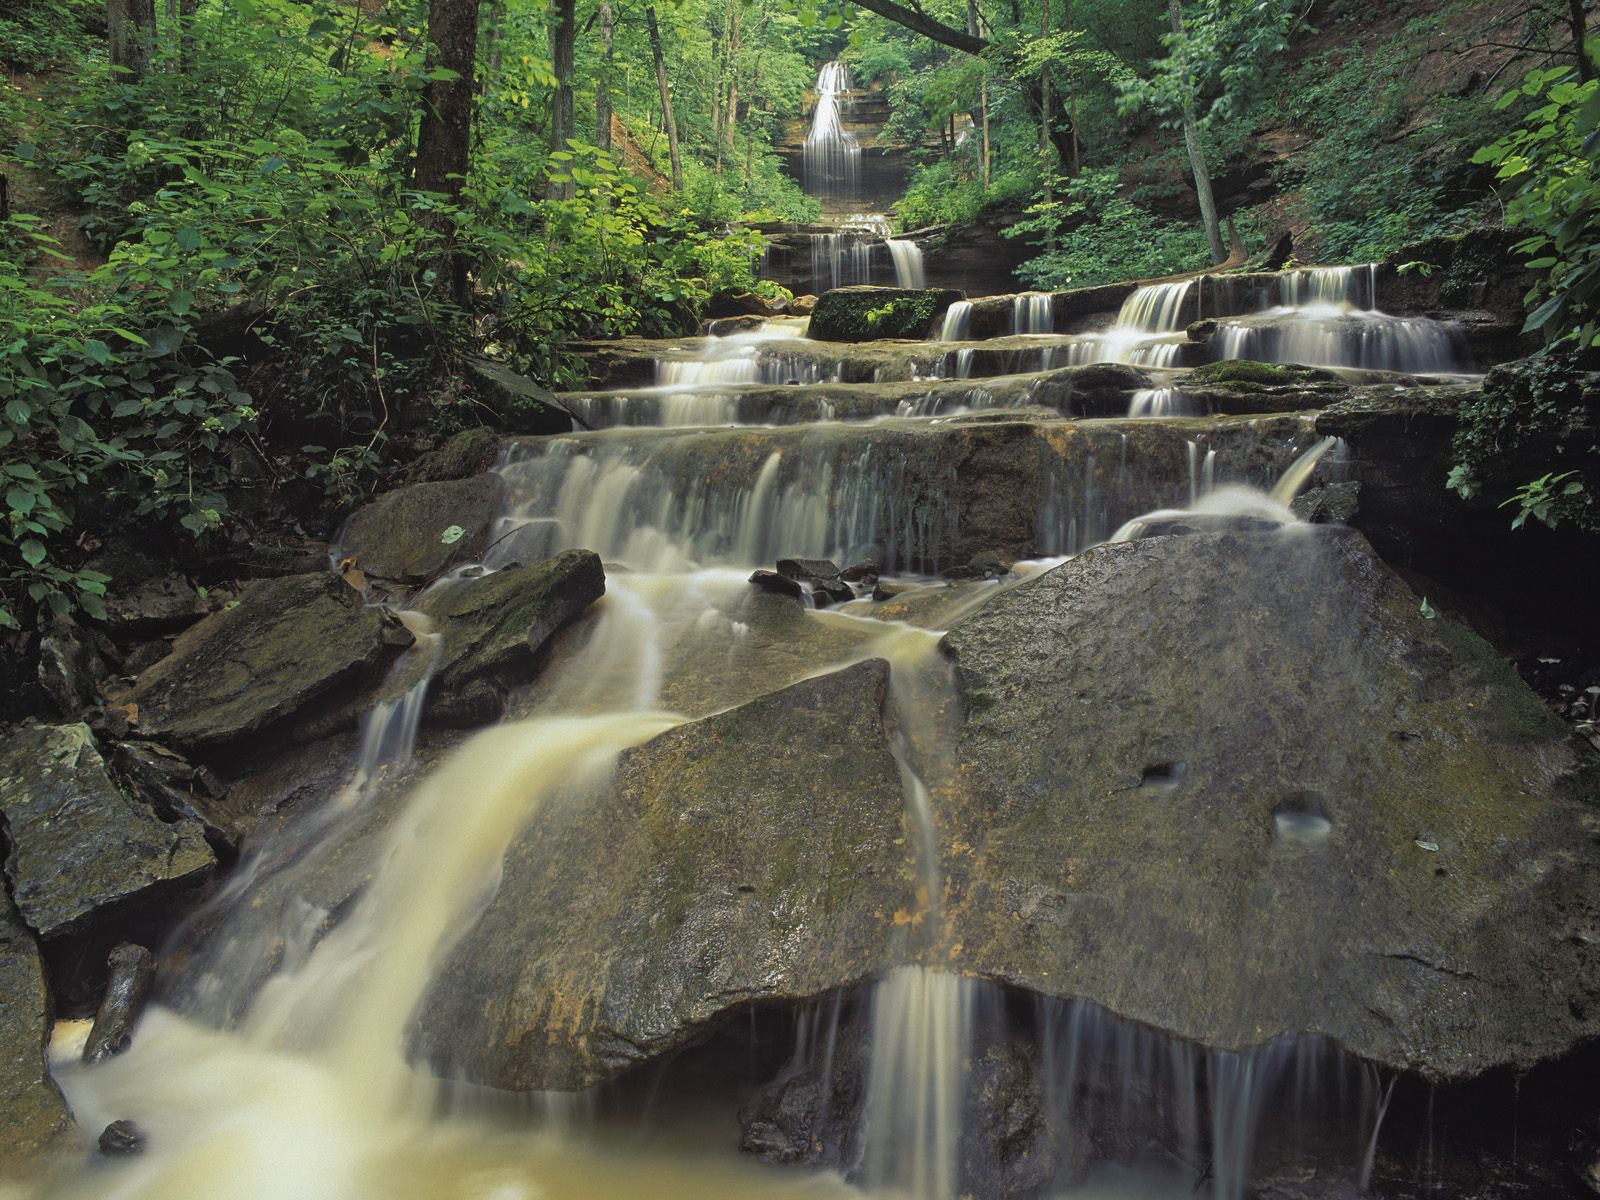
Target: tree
(444, 138)
(602, 80)
(1197, 155)
(130, 36)
(562, 21)
(667, 117)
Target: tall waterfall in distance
(832, 154)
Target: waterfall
(841, 259)
(832, 155)
(1032, 312)
(1158, 402)
(957, 322)
(907, 258)
(1155, 308)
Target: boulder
(83, 855)
(418, 533)
(1096, 390)
(34, 1114)
(1330, 504)
(147, 595)
(514, 402)
(287, 642)
(1353, 820)
(70, 666)
(470, 452)
(494, 625)
(869, 314)
(758, 855)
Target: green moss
(1244, 370)
(865, 314)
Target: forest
(800, 599)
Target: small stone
(120, 1139)
(782, 585)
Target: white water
(957, 322)
(1032, 312)
(832, 155)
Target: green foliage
(1388, 167)
(1536, 420)
(1103, 238)
(111, 414)
(36, 35)
(1553, 161)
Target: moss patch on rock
(866, 314)
(1248, 371)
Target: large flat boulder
(420, 532)
(82, 852)
(1231, 785)
(287, 642)
(758, 855)
(32, 1111)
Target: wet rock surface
(36, 1119)
(1441, 904)
(753, 856)
(418, 533)
(82, 854)
(239, 671)
(130, 974)
(494, 625)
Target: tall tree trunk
(731, 121)
(665, 88)
(130, 36)
(983, 97)
(562, 20)
(444, 138)
(1197, 157)
(1072, 86)
(1578, 22)
(1047, 152)
(602, 83)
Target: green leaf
(33, 552)
(1427, 610)
(20, 500)
(181, 301)
(452, 535)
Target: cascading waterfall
(1158, 402)
(1032, 312)
(1329, 317)
(957, 322)
(845, 258)
(832, 155)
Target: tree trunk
(130, 35)
(602, 83)
(562, 20)
(665, 88)
(1197, 158)
(983, 98)
(1072, 86)
(1047, 155)
(731, 121)
(444, 138)
(1578, 22)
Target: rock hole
(1301, 817)
(1162, 776)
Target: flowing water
(278, 1068)
(832, 155)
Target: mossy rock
(869, 314)
(418, 533)
(1248, 371)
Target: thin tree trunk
(1197, 158)
(1047, 156)
(1072, 85)
(562, 21)
(1578, 22)
(602, 83)
(731, 121)
(983, 98)
(130, 35)
(444, 138)
(665, 88)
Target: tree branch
(918, 22)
